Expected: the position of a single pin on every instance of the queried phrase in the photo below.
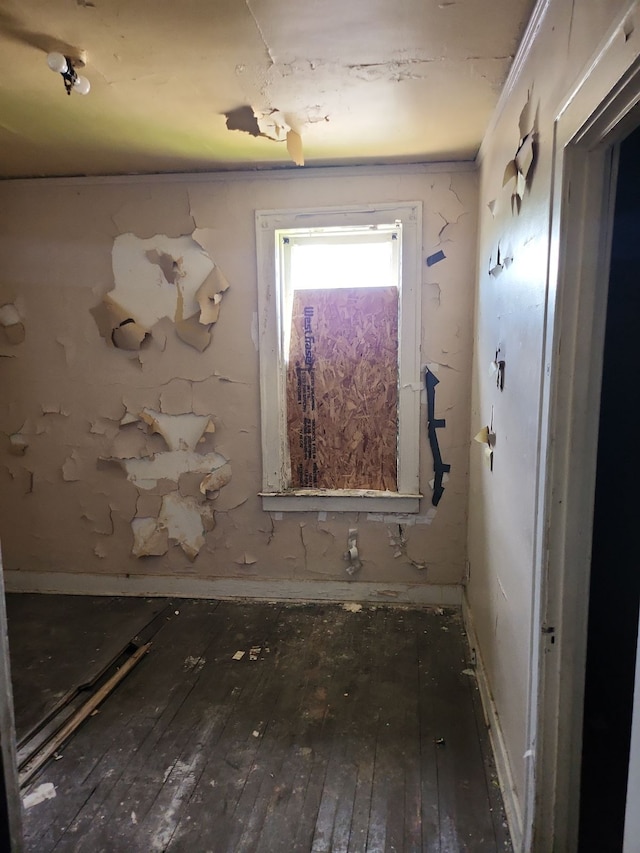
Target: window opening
(340, 322)
(339, 325)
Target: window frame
(275, 495)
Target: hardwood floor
(334, 731)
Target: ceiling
(361, 81)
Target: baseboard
(150, 586)
(503, 766)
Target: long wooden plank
(449, 722)
(352, 742)
(52, 746)
(290, 722)
(266, 782)
(319, 727)
(69, 703)
(407, 669)
(386, 821)
(258, 760)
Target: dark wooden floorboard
(361, 749)
(465, 822)
(496, 805)
(347, 710)
(408, 668)
(227, 783)
(394, 789)
(351, 732)
(303, 727)
(253, 743)
(155, 787)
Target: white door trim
(632, 821)
(598, 113)
(12, 805)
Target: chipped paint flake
(12, 324)
(214, 481)
(18, 444)
(294, 147)
(209, 296)
(181, 432)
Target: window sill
(342, 500)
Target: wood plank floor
(358, 732)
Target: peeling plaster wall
(100, 449)
(510, 313)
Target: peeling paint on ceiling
(366, 81)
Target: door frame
(600, 111)
(11, 805)
(632, 821)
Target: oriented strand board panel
(342, 389)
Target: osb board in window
(342, 389)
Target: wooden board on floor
(328, 741)
(60, 642)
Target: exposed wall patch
(186, 522)
(147, 472)
(156, 278)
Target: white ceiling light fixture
(66, 66)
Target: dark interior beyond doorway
(614, 594)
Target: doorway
(614, 593)
(595, 127)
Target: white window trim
(272, 380)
